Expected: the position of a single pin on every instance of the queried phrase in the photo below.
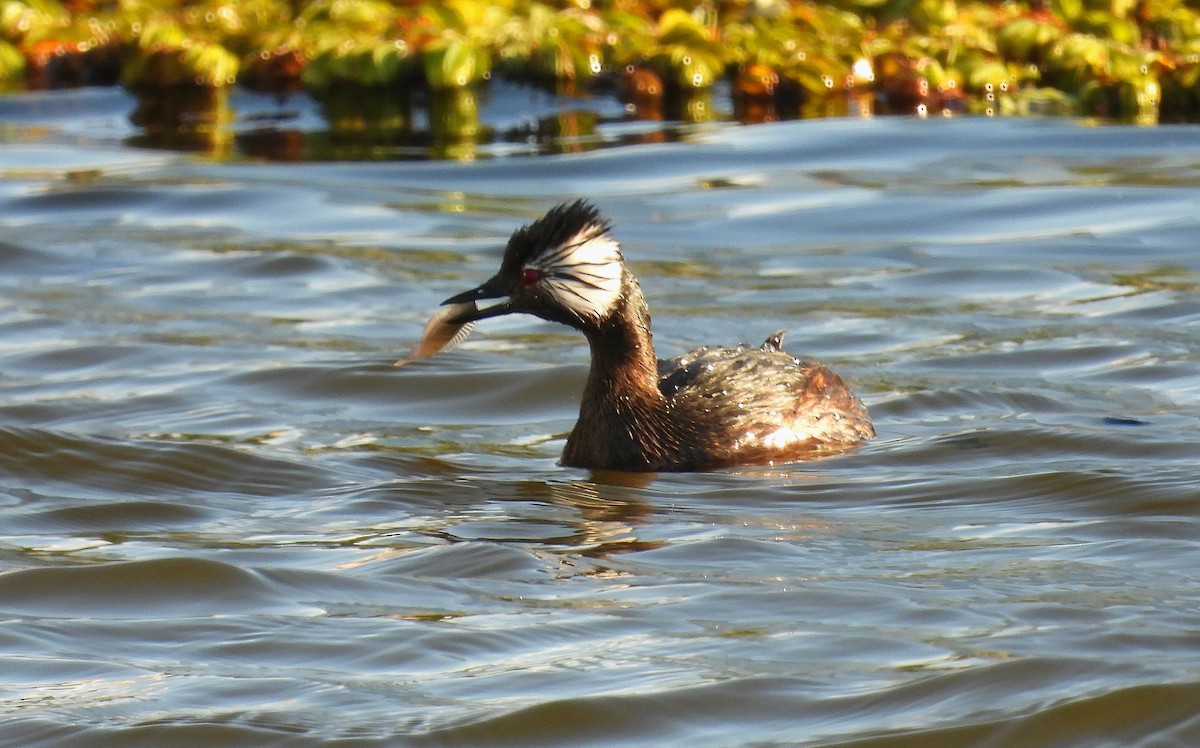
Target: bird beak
(489, 290)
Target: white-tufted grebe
(707, 409)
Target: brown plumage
(707, 409)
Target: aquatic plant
(357, 61)
(687, 53)
(559, 48)
(1137, 59)
(12, 62)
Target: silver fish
(441, 334)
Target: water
(226, 519)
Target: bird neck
(624, 420)
(623, 361)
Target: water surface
(226, 519)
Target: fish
(441, 333)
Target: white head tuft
(582, 274)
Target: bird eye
(529, 276)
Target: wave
(129, 466)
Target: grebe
(707, 409)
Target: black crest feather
(561, 223)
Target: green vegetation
(1132, 59)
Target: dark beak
(489, 290)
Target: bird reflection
(609, 511)
(606, 512)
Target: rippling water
(226, 519)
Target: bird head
(563, 267)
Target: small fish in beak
(444, 330)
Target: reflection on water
(227, 519)
(458, 124)
(384, 124)
(184, 119)
(394, 124)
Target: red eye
(529, 276)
